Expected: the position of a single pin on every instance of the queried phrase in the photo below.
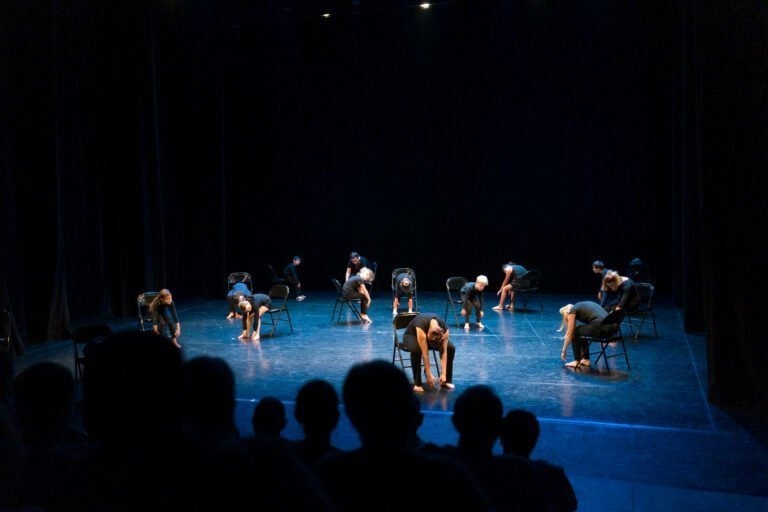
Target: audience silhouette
(208, 401)
(519, 434)
(161, 434)
(317, 411)
(508, 481)
(384, 473)
(269, 418)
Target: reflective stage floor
(638, 440)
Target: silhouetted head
(519, 433)
(131, 387)
(268, 417)
(208, 403)
(377, 399)
(477, 417)
(43, 397)
(317, 407)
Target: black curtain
(165, 144)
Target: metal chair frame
(527, 284)
(453, 287)
(279, 294)
(644, 309)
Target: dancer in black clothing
(355, 264)
(591, 315)
(235, 296)
(164, 318)
(422, 333)
(472, 297)
(291, 276)
(354, 289)
(404, 287)
(253, 307)
(625, 295)
(512, 271)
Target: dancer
(427, 331)
(164, 318)
(291, 276)
(591, 314)
(512, 271)
(403, 287)
(354, 289)
(472, 297)
(253, 307)
(625, 294)
(355, 264)
(235, 296)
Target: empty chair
(610, 334)
(453, 286)
(525, 286)
(399, 323)
(353, 304)
(399, 292)
(279, 309)
(644, 309)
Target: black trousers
(413, 347)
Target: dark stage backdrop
(166, 144)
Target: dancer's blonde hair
(564, 311)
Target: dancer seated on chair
(164, 319)
(235, 296)
(591, 314)
(354, 289)
(403, 288)
(258, 302)
(512, 271)
(472, 297)
(427, 331)
(624, 293)
(355, 264)
(291, 276)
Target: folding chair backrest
(240, 277)
(143, 302)
(529, 280)
(646, 291)
(336, 284)
(279, 291)
(402, 320)
(455, 284)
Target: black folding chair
(453, 286)
(279, 295)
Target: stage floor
(644, 439)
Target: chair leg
(653, 318)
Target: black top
(422, 322)
(290, 271)
(629, 297)
(469, 292)
(517, 272)
(588, 311)
(259, 299)
(357, 266)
